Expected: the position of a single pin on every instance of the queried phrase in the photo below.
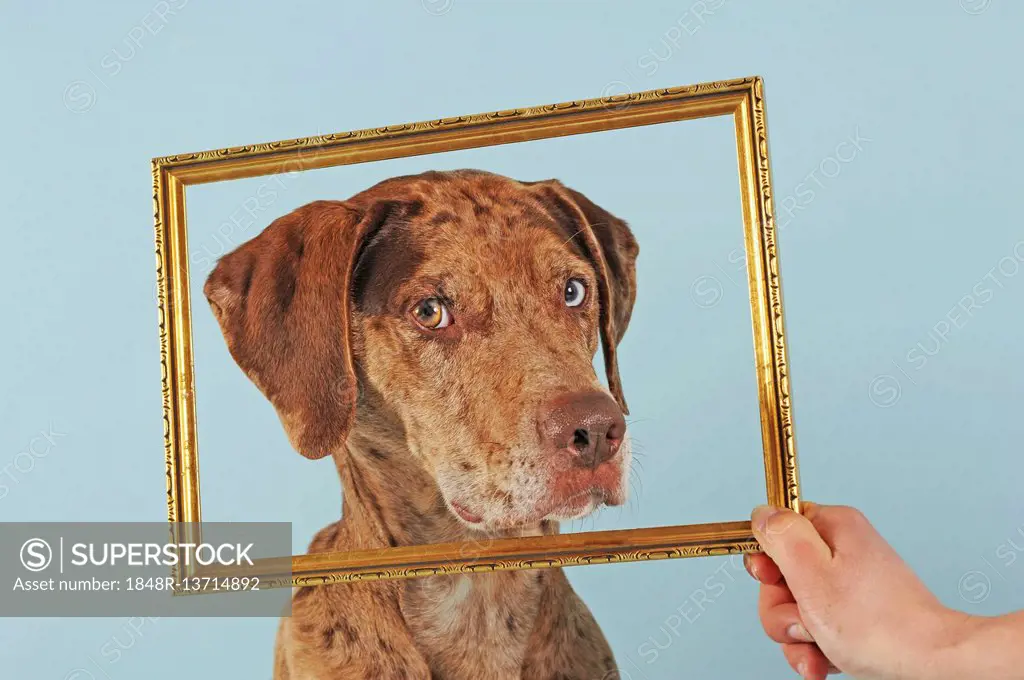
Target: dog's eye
(575, 292)
(432, 314)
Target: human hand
(837, 597)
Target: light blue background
(905, 406)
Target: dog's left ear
(610, 246)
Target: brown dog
(435, 334)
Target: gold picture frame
(743, 99)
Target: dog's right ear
(609, 244)
(282, 301)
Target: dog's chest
(473, 626)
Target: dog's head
(467, 305)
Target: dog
(435, 335)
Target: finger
(762, 569)
(774, 595)
(843, 528)
(807, 660)
(793, 544)
(782, 624)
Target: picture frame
(743, 99)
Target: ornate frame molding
(743, 99)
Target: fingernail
(761, 515)
(750, 567)
(801, 668)
(798, 632)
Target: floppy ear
(282, 301)
(610, 246)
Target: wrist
(980, 647)
(935, 644)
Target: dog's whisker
(618, 514)
(634, 503)
(633, 421)
(636, 486)
(577, 233)
(637, 448)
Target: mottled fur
(316, 312)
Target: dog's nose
(589, 425)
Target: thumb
(794, 545)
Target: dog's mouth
(576, 507)
(465, 514)
(556, 508)
(560, 490)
